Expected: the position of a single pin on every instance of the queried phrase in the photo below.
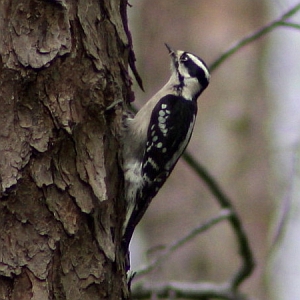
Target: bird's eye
(184, 57)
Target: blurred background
(246, 135)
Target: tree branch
(290, 24)
(202, 290)
(223, 214)
(255, 35)
(225, 203)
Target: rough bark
(62, 64)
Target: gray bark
(61, 64)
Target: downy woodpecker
(155, 138)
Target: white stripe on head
(199, 63)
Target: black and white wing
(171, 125)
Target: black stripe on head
(196, 68)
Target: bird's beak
(171, 51)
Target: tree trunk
(62, 64)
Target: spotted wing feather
(172, 122)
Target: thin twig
(254, 36)
(202, 290)
(245, 250)
(223, 214)
(290, 24)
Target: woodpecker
(155, 138)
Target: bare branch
(255, 35)
(188, 291)
(290, 24)
(225, 203)
(223, 214)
